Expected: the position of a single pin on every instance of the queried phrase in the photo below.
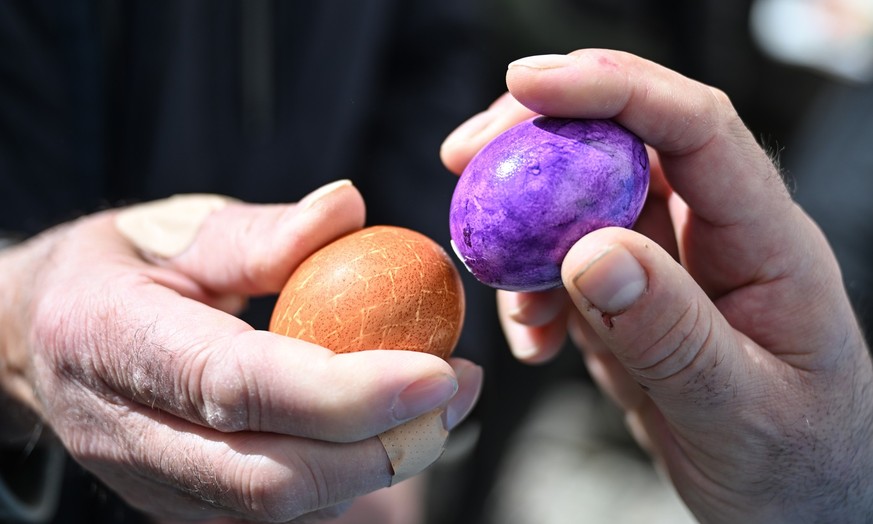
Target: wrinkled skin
(149, 381)
(721, 325)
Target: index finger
(693, 126)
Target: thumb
(662, 328)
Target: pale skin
(149, 380)
(720, 325)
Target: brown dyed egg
(382, 287)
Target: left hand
(151, 383)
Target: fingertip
(532, 309)
(464, 142)
(324, 194)
(423, 395)
(277, 243)
(554, 85)
(462, 366)
(540, 62)
(613, 281)
(333, 210)
(460, 145)
(535, 344)
(470, 378)
(601, 273)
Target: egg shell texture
(383, 287)
(536, 189)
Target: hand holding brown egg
(382, 287)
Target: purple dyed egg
(536, 189)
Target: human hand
(721, 325)
(186, 411)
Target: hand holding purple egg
(536, 189)
(718, 331)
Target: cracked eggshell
(536, 189)
(383, 287)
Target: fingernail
(470, 381)
(470, 128)
(612, 281)
(310, 200)
(543, 61)
(424, 395)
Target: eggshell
(383, 287)
(536, 189)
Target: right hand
(186, 411)
(721, 325)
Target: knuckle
(673, 347)
(720, 97)
(193, 473)
(225, 395)
(69, 356)
(685, 352)
(280, 493)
